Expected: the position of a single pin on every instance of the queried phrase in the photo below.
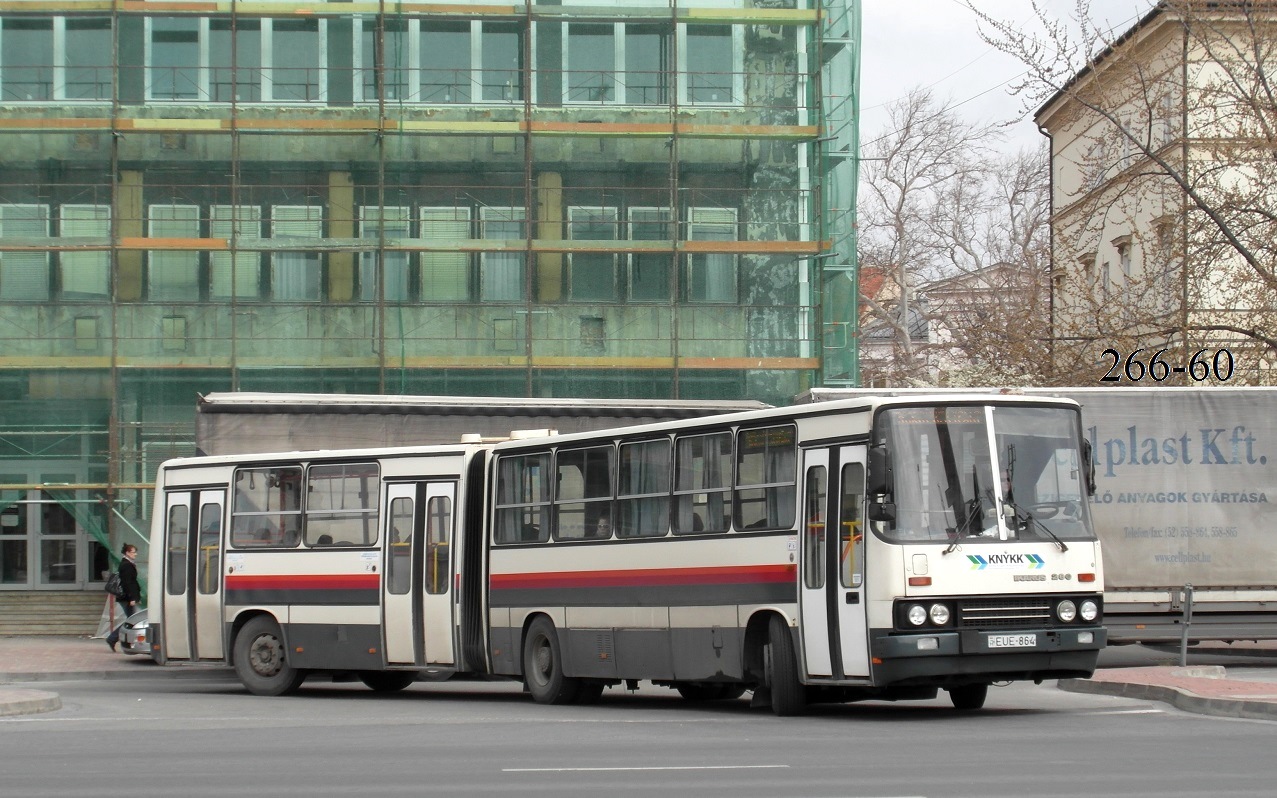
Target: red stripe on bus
(302, 581)
(752, 574)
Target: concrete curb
(183, 672)
(1176, 697)
(27, 702)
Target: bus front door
(191, 592)
(832, 601)
(417, 598)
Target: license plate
(1013, 641)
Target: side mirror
(881, 511)
(1088, 467)
(879, 479)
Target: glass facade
(544, 200)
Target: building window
(501, 273)
(173, 275)
(87, 75)
(241, 80)
(649, 272)
(447, 73)
(1123, 246)
(445, 274)
(501, 61)
(26, 58)
(711, 275)
(298, 51)
(385, 60)
(24, 275)
(296, 276)
(647, 65)
(86, 275)
(235, 274)
(590, 53)
(393, 223)
(713, 71)
(593, 274)
(173, 59)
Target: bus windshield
(984, 473)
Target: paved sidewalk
(1239, 692)
(58, 658)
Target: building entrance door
(42, 547)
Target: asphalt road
(207, 737)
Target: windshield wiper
(970, 515)
(1028, 517)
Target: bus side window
(438, 533)
(814, 534)
(851, 540)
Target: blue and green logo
(979, 562)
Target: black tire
(387, 681)
(968, 696)
(780, 664)
(543, 665)
(261, 661)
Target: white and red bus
(873, 548)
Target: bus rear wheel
(387, 681)
(543, 666)
(968, 696)
(780, 664)
(260, 661)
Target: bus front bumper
(1000, 654)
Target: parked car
(134, 637)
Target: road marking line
(655, 767)
(1126, 712)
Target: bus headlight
(1066, 611)
(1089, 610)
(939, 614)
(917, 615)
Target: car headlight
(1089, 610)
(939, 614)
(917, 615)
(1066, 611)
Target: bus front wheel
(780, 664)
(260, 661)
(543, 666)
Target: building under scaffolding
(649, 200)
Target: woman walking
(131, 601)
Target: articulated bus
(872, 548)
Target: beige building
(1161, 185)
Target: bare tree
(1165, 206)
(956, 233)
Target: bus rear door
(832, 601)
(417, 603)
(192, 589)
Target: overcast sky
(936, 44)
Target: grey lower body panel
(682, 654)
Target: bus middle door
(417, 601)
